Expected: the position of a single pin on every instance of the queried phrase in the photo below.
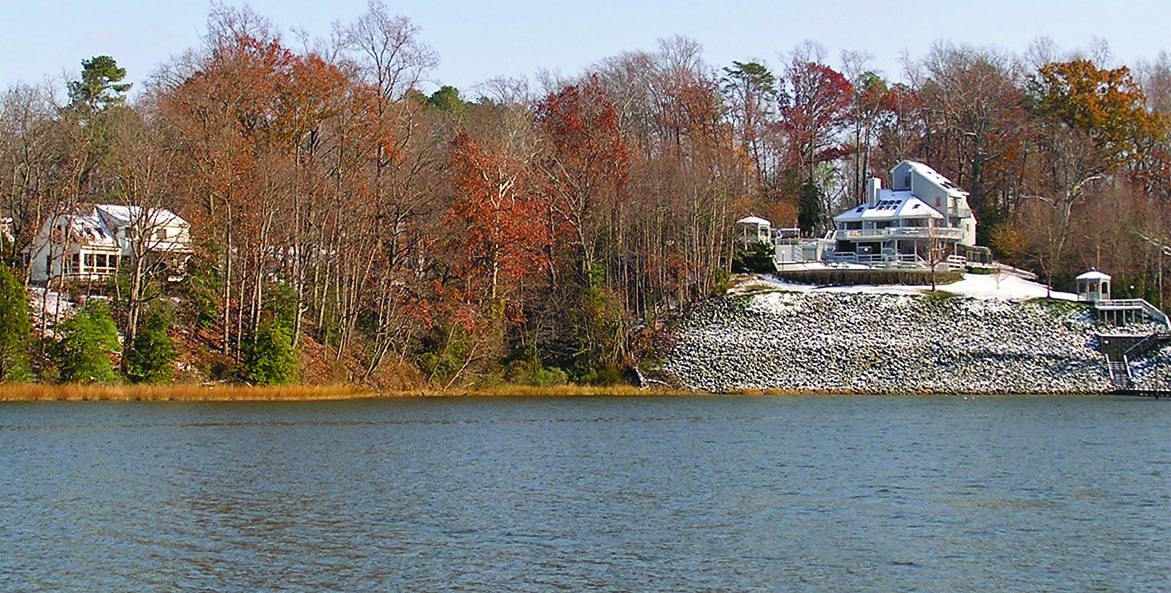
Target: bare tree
(975, 98)
(142, 175)
(26, 114)
(388, 52)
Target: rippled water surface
(664, 494)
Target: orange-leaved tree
(582, 176)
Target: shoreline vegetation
(275, 216)
(249, 393)
(306, 393)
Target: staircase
(1120, 349)
(1120, 376)
(1151, 342)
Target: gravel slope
(882, 343)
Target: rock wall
(1154, 371)
(874, 343)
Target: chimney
(872, 186)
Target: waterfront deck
(1124, 311)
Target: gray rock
(819, 342)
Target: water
(665, 494)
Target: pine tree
(101, 85)
(271, 359)
(809, 209)
(151, 358)
(87, 339)
(15, 328)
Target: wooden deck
(1126, 311)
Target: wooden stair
(1120, 374)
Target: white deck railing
(1150, 310)
(899, 233)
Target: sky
(478, 40)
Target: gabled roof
(88, 228)
(98, 225)
(936, 178)
(117, 216)
(891, 205)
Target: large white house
(90, 242)
(922, 211)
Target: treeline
(529, 236)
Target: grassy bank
(238, 393)
(34, 392)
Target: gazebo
(753, 229)
(1093, 286)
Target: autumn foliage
(404, 239)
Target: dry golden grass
(244, 393)
(557, 391)
(37, 392)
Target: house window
(99, 263)
(161, 234)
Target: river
(671, 494)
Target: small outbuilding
(1093, 286)
(753, 229)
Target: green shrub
(270, 358)
(596, 325)
(15, 328)
(549, 377)
(280, 300)
(757, 260)
(519, 372)
(86, 341)
(201, 287)
(607, 376)
(720, 281)
(151, 358)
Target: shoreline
(309, 393)
(294, 393)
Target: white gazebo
(753, 229)
(1093, 286)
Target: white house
(90, 242)
(923, 210)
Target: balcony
(892, 233)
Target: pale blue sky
(480, 40)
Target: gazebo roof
(753, 220)
(1094, 275)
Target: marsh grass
(35, 392)
(244, 393)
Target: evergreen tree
(809, 209)
(15, 328)
(151, 358)
(447, 99)
(82, 353)
(271, 359)
(100, 87)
